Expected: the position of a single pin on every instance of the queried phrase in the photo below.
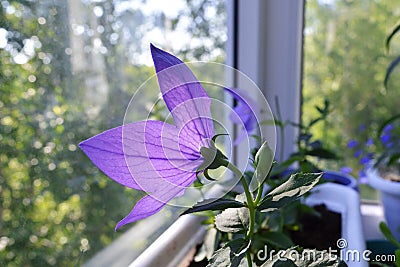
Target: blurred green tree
(345, 62)
(66, 74)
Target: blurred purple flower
(346, 170)
(389, 145)
(388, 128)
(362, 177)
(362, 128)
(385, 138)
(159, 158)
(369, 142)
(244, 113)
(357, 153)
(352, 143)
(366, 159)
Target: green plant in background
(389, 157)
(383, 147)
(389, 237)
(49, 191)
(395, 61)
(310, 151)
(339, 66)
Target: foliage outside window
(345, 61)
(67, 69)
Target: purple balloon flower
(362, 177)
(369, 142)
(346, 170)
(388, 128)
(159, 158)
(352, 143)
(244, 113)
(357, 153)
(385, 138)
(366, 159)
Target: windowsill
(124, 249)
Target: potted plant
(310, 151)
(163, 159)
(380, 160)
(384, 173)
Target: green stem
(246, 188)
(248, 257)
(281, 126)
(259, 194)
(250, 205)
(282, 134)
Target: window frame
(265, 41)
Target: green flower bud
(263, 160)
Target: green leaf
(390, 36)
(232, 220)
(276, 239)
(393, 159)
(322, 153)
(231, 255)
(390, 69)
(389, 157)
(296, 186)
(214, 204)
(314, 121)
(385, 123)
(388, 234)
(397, 254)
(307, 166)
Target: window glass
(67, 71)
(345, 62)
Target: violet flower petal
(144, 155)
(369, 142)
(145, 207)
(183, 94)
(388, 128)
(358, 153)
(152, 204)
(106, 152)
(244, 113)
(346, 170)
(352, 143)
(156, 160)
(385, 138)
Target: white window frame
(265, 40)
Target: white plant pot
(171, 247)
(390, 197)
(344, 200)
(340, 178)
